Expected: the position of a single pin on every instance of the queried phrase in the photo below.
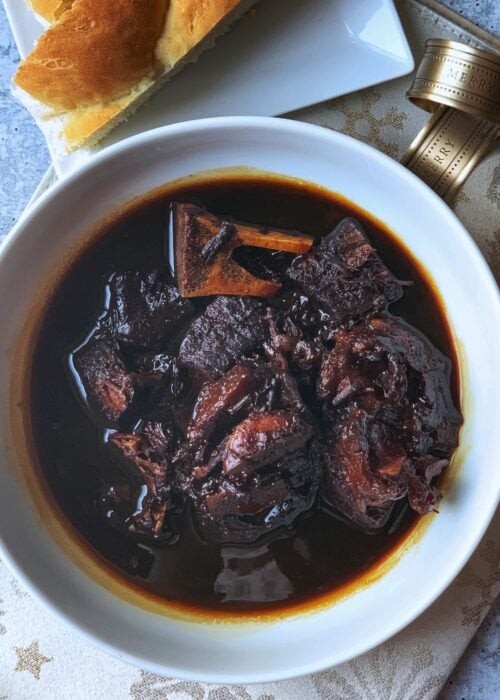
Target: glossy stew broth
(319, 552)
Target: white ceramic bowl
(300, 644)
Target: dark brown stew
(244, 452)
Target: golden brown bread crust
(80, 125)
(94, 53)
(50, 9)
(187, 23)
(84, 109)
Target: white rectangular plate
(282, 56)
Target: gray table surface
(24, 159)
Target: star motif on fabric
(31, 659)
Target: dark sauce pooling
(248, 470)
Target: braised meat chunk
(363, 478)
(217, 398)
(243, 510)
(229, 329)
(104, 377)
(387, 357)
(144, 309)
(393, 420)
(423, 494)
(263, 438)
(345, 276)
(148, 453)
(221, 402)
(369, 470)
(246, 481)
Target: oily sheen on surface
(214, 433)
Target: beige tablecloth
(40, 658)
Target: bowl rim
(304, 130)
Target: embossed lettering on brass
(461, 86)
(448, 148)
(459, 76)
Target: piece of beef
(289, 337)
(423, 496)
(137, 509)
(229, 329)
(394, 424)
(104, 377)
(281, 348)
(365, 468)
(248, 386)
(115, 503)
(360, 362)
(368, 469)
(144, 309)
(216, 401)
(239, 511)
(345, 276)
(390, 359)
(148, 451)
(149, 447)
(263, 438)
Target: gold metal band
(459, 76)
(448, 148)
(461, 86)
